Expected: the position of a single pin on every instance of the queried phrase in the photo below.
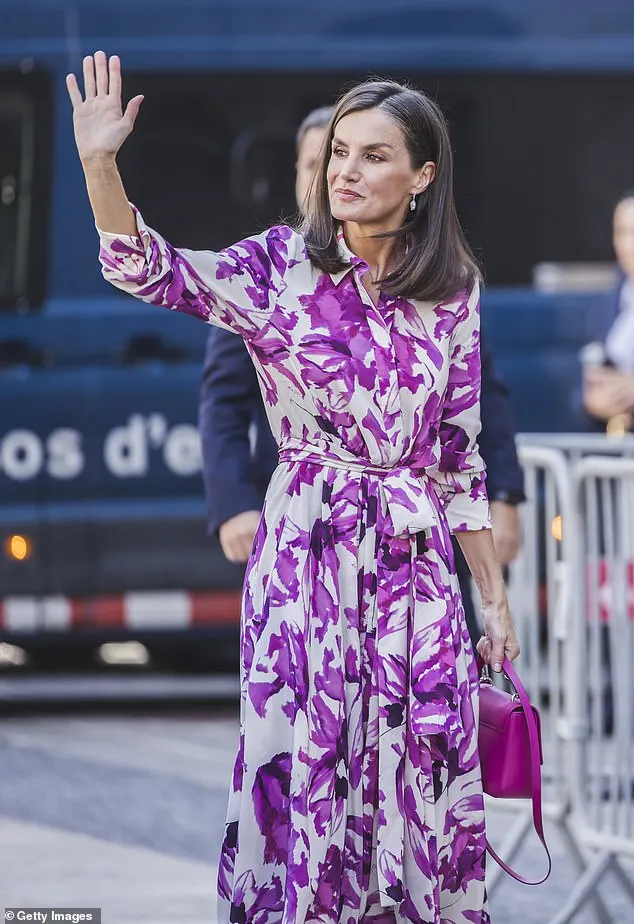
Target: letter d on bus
(125, 449)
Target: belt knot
(403, 490)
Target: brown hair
(436, 261)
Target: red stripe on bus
(99, 612)
(221, 607)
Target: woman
(356, 791)
(608, 386)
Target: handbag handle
(536, 776)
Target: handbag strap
(536, 776)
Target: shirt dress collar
(353, 261)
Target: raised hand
(101, 126)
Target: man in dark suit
(239, 453)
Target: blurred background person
(240, 455)
(505, 478)
(608, 381)
(310, 137)
(239, 452)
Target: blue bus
(102, 522)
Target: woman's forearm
(499, 639)
(107, 196)
(479, 552)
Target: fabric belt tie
(402, 491)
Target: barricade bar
(600, 766)
(572, 597)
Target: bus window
(24, 166)
(212, 159)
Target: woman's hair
(435, 259)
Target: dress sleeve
(235, 289)
(460, 475)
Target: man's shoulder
(225, 343)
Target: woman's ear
(426, 176)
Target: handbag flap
(498, 708)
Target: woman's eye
(338, 152)
(375, 159)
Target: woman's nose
(350, 169)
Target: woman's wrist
(495, 608)
(492, 590)
(101, 161)
(107, 195)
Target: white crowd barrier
(572, 597)
(601, 765)
(577, 445)
(539, 588)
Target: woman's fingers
(90, 89)
(494, 649)
(495, 636)
(497, 654)
(101, 72)
(512, 648)
(102, 77)
(73, 90)
(114, 76)
(132, 110)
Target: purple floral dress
(356, 792)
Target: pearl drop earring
(412, 205)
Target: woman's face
(623, 236)
(370, 174)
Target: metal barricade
(577, 445)
(571, 593)
(539, 589)
(600, 683)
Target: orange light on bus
(557, 528)
(18, 547)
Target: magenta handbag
(509, 742)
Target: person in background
(608, 375)
(240, 455)
(239, 452)
(505, 479)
